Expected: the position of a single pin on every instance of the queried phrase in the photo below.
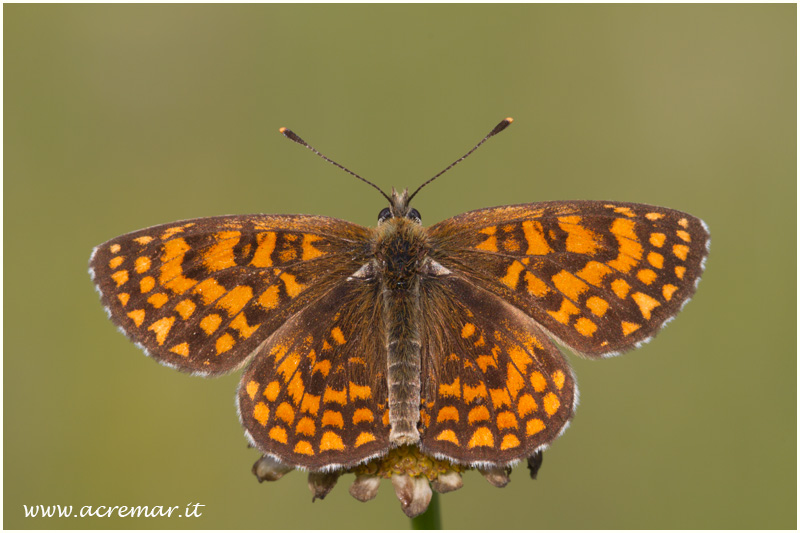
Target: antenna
(497, 129)
(289, 134)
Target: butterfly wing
(201, 295)
(601, 277)
(496, 389)
(315, 396)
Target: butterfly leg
(535, 463)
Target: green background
(122, 117)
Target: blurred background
(118, 117)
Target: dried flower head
(413, 474)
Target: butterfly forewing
(599, 276)
(501, 390)
(315, 394)
(201, 295)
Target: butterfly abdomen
(400, 251)
(404, 362)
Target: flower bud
(364, 488)
(270, 469)
(497, 475)
(447, 482)
(321, 483)
(414, 493)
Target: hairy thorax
(400, 247)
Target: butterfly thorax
(400, 249)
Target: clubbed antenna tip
(289, 134)
(506, 122)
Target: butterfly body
(401, 259)
(400, 252)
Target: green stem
(431, 518)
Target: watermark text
(192, 510)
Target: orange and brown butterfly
(357, 341)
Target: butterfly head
(399, 208)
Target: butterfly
(358, 340)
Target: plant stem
(431, 518)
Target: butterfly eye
(414, 215)
(384, 215)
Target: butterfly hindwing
(315, 395)
(601, 277)
(497, 388)
(201, 295)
